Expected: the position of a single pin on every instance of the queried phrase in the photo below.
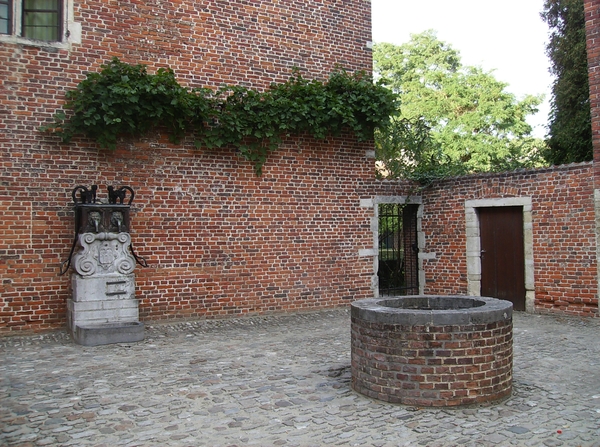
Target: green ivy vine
(125, 99)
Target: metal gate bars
(398, 250)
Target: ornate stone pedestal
(103, 308)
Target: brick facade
(219, 240)
(559, 210)
(563, 234)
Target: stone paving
(281, 381)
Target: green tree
(453, 119)
(570, 130)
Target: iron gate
(398, 250)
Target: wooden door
(502, 254)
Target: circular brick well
(432, 350)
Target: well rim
(378, 310)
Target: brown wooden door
(502, 254)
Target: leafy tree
(570, 128)
(453, 119)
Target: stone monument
(103, 308)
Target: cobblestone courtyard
(281, 381)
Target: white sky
(508, 37)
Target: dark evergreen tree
(570, 132)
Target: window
(5, 17)
(42, 20)
(32, 19)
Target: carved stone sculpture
(104, 253)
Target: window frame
(57, 27)
(69, 33)
(9, 20)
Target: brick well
(427, 360)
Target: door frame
(403, 200)
(474, 244)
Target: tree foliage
(570, 132)
(453, 119)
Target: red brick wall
(564, 240)
(222, 241)
(218, 239)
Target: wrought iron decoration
(93, 216)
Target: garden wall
(562, 244)
(218, 239)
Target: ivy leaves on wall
(124, 99)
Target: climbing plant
(125, 99)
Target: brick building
(218, 239)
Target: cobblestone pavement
(281, 381)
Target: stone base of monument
(104, 334)
(104, 310)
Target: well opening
(432, 350)
(431, 303)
